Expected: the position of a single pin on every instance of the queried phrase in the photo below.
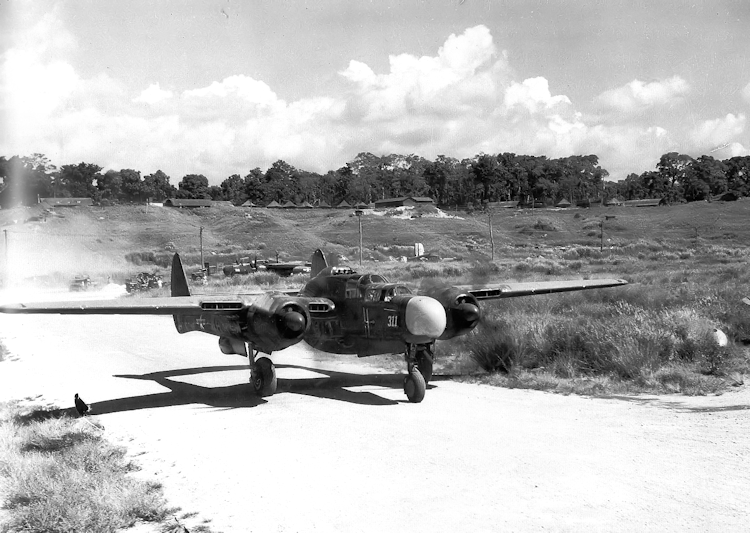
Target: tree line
(449, 181)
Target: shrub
(496, 348)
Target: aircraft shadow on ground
(332, 385)
(677, 406)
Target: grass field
(687, 266)
(60, 475)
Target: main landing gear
(262, 373)
(419, 371)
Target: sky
(220, 87)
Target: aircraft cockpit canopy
(384, 293)
(341, 270)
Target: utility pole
(492, 240)
(201, 238)
(359, 214)
(5, 269)
(601, 236)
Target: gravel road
(338, 448)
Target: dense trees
(679, 177)
(367, 177)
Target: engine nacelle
(461, 310)
(276, 322)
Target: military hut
(646, 202)
(189, 203)
(66, 202)
(273, 205)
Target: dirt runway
(338, 448)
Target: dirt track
(339, 449)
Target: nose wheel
(414, 386)
(419, 368)
(262, 375)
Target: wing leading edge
(528, 288)
(175, 305)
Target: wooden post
(201, 238)
(492, 239)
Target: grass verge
(61, 476)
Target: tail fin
(179, 281)
(318, 262)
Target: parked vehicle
(143, 282)
(80, 283)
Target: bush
(496, 348)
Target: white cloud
(462, 75)
(461, 101)
(241, 87)
(153, 94)
(638, 95)
(746, 93)
(718, 132)
(533, 94)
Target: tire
(424, 363)
(263, 377)
(414, 386)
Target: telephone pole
(359, 214)
(201, 238)
(492, 240)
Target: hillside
(96, 240)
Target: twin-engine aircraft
(338, 311)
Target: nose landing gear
(419, 367)
(262, 374)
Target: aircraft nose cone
(294, 321)
(425, 316)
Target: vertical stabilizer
(317, 262)
(179, 281)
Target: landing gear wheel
(424, 363)
(263, 377)
(414, 386)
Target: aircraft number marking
(392, 321)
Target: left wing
(527, 288)
(172, 305)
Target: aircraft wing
(174, 305)
(527, 288)
(746, 301)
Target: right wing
(527, 288)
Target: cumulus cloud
(746, 93)
(638, 95)
(466, 73)
(153, 94)
(719, 132)
(533, 94)
(460, 101)
(242, 87)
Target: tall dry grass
(61, 476)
